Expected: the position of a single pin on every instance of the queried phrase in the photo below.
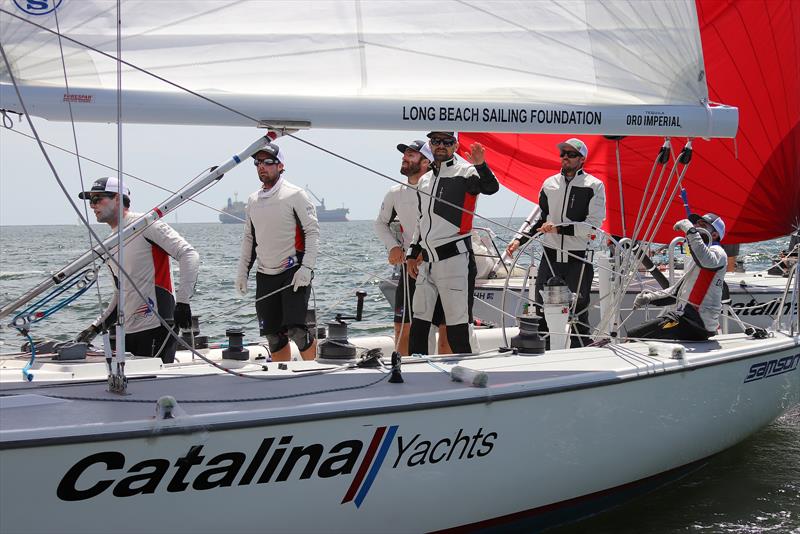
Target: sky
(171, 156)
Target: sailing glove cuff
(684, 225)
(183, 315)
(88, 335)
(642, 299)
(302, 277)
(241, 283)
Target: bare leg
(283, 355)
(311, 352)
(402, 347)
(443, 347)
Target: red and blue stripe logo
(376, 454)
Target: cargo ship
(233, 213)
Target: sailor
(440, 253)
(281, 236)
(146, 262)
(570, 196)
(698, 293)
(401, 204)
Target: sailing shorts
(403, 313)
(284, 309)
(449, 281)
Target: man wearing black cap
(698, 293)
(146, 260)
(281, 236)
(439, 256)
(570, 196)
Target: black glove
(182, 315)
(88, 335)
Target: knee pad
(277, 341)
(301, 337)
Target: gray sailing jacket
(582, 199)
(698, 293)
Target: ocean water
(751, 488)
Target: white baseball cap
(107, 184)
(575, 144)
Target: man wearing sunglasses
(440, 256)
(570, 196)
(281, 236)
(146, 261)
(698, 294)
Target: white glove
(302, 277)
(684, 225)
(241, 283)
(642, 299)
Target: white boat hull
(552, 438)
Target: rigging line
(77, 152)
(112, 168)
(256, 121)
(46, 156)
(120, 188)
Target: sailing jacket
(280, 230)
(399, 203)
(581, 199)
(146, 260)
(443, 230)
(698, 293)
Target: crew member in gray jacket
(698, 293)
(567, 197)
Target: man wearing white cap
(698, 294)
(568, 197)
(281, 236)
(146, 261)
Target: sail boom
(148, 107)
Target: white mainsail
(560, 66)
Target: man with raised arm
(440, 256)
(570, 196)
(281, 236)
(146, 260)
(698, 293)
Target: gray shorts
(447, 280)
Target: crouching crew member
(146, 260)
(281, 235)
(699, 291)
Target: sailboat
(499, 439)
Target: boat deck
(310, 390)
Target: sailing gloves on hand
(183, 315)
(643, 299)
(302, 277)
(684, 225)
(88, 335)
(241, 283)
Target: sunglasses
(570, 155)
(258, 162)
(445, 142)
(96, 199)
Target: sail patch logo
(37, 7)
(778, 366)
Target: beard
(410, 170)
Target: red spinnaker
(752, 55)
